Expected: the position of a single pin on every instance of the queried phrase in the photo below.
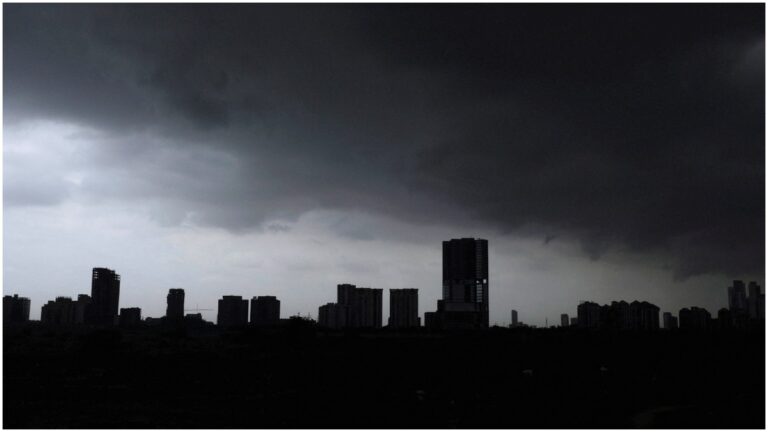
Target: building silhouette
(332, 316)
(105, 297)
(564, 321)
(513, 322)
(694, 318)
(574, 321)
(265, 311)
(465, 286)
(619, 315)
(404, 308)
(737, 297)
(644, 316)
(233, 311)
(363, 305)
(81, 308)
(175, 305)
(59, 312)
(588, 314)
(15, 309)
(670, 321)
(756, 302)
(130, 316)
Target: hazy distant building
(694, 318)
(363, 305)
(724, 319)
(130, 316)
(15, 309)
(564, 321)
(265, 311)
(332, 316)
(670, 321)
(755, 302)
(105, 297)
(175, 305)
(404, 308)
(233, 311)
(465, 286)
(737, 297)
(588, 314)
(574, 321)
(513, 322)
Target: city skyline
(363, 307)
(606, 151)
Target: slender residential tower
(105, 297)
(175, 309)
(465, 286)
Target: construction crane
(196, 309)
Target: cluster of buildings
(743, 310)
(464, 304)
(619, 315)
(233, 311)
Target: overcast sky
(606, 152)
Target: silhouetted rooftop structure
(130, 316)
(363, 305)
(15, 309)
(404, 308)
(174, 311)
(465, 286)
(265, 311)
(233, 311)
(694, 318)
(619, 315)
(105, 297)
(332, 316)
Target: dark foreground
(299, 378)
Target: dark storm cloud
(635, 126)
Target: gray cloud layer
(633, 126)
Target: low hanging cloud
(635, 127)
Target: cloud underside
(638, 127)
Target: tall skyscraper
(175, 305)
(564, 321)
(233, 311)
(15, 309)
(265, 311)
(105, 297)
(465, 276)
(404, 308)
(465, 286)
(514, 318)
(363, 305)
